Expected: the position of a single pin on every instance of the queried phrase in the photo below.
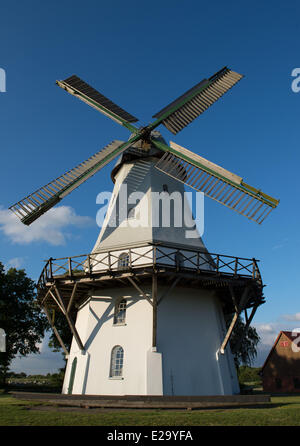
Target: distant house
(281, 370)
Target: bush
(249, 375)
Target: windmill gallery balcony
(75, 276)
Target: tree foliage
(247, 351)
(248, 374)
(20, 317)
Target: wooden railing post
(235, 266)
(255, 273)
(50, 268)
(218, 262)
(109, 261)
(70, 266)
(130, 258)
(89, 263)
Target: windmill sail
(195, 101)
(215, 182)
(39, 202)
(77, 87)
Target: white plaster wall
(154, 372)
(82, 327)
(112, 237)
(189, 333)
(95, 324)
(153, 181)
(189, 338)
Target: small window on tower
(165, 188)
(120, 312)
(123, 261)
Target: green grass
(283, 411)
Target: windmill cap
(136, 151)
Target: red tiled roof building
(281, 370)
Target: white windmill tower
(151, 300)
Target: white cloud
(50, 227)
(266, 328)
(267, 332)
(291, 317)
(15, 262)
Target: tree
(20, 317)
(247, 350)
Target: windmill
(150, 304)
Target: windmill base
(174, 337)
(146, 402)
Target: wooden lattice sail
(40, 201)
(195, 101)
(216, 182)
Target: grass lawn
(283, 411)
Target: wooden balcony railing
(149, 255)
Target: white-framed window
(116, 362)
(123, 261)
(120, 312)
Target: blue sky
(142, 56)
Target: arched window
(123, 261)
(165, 188)
(120, 312)
(116, 362)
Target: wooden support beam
(246, 315)
(139, 290)
(240, 308)
(69, 320)
(175, 282)
(229, 332)
(154, 301)
(45, 297)
(121, 281)
(233, 297)
(56, 301)
(72, 298)
(55, 330)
